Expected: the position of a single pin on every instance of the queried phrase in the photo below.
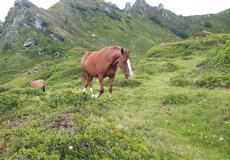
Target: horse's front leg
(111, 85)
(101, 83)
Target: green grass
(159, 114)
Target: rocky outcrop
(22, 4)
(57, 54)
(56, 37)
(160, 7)
(1, 27)
(29, 43)
(128, 7)
(22, 19)
(39, 23)
(16, 22)
(202, 34)
(142, 6)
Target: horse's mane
(111, 47)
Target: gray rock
(160, 7)
(39, 23)
(128, 7)
(56, 37)
(22, 4)
(57, 54)
(107, 10)
(29, 43)
(41, 53)
(1, 27)
(142, 5)
(14, 25)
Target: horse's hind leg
(88, 83)
(91, 87)
(85, 81)
(111, 86)
(101, 83)
(44, 89)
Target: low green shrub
(180, 81)
(169, 67)
(72, 137)
(212, 79)
(131, 83)
(224, 55)
(68, 97)
(4, 89)
(176, 99)
(27, 91)
(8, 102)
(149, 68)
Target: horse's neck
(116, 58)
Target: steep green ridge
(110, 25)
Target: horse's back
(37, 84)
(98, 61)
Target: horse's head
(125, 63)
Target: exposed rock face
(29, 43)
(202, 34)
(160, 7)
(16, 22)
(1, 27)
(39, 23)
(57, 54)
(22, 4)
(14, 25)
(128, 7)
(21, 19)
(56, 37)
(142, 5)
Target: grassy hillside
(164, 112)
(175, 107)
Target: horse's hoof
(93, 96)
(110, 96)
(97, 96)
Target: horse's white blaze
(130, 68)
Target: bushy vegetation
(176, 99)
(8, 102)
(70, 136)
(224, 55)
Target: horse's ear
(122, 51)
(130, 54)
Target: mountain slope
(165, 104)
(110, 25)
(92, 24)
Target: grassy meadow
(175, 107)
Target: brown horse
(40, 84)
(103, 64)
